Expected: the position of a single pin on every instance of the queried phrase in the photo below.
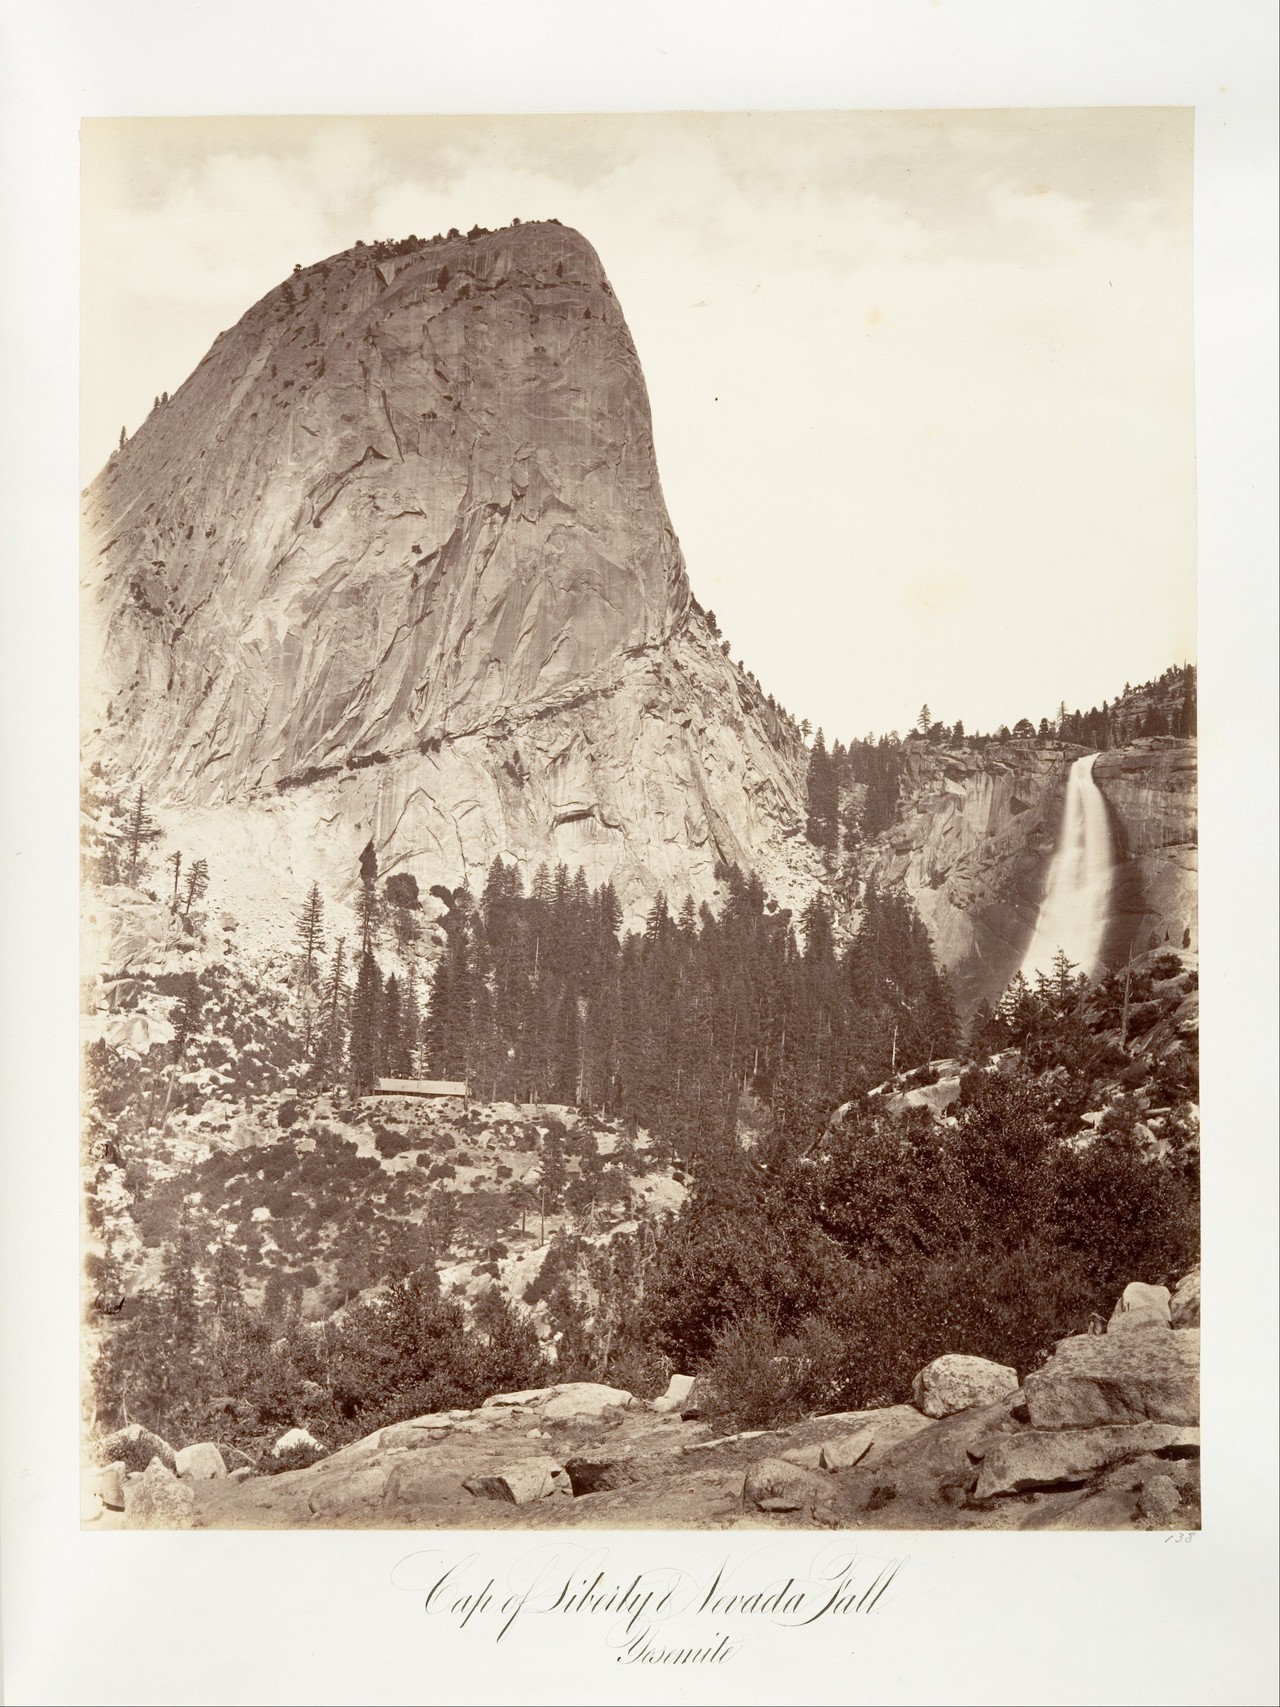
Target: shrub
(301, 1456)
(1166, 965)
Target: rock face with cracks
(395, 562)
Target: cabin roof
(421, 1087)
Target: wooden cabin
(421, 1088)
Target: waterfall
(1073, 914)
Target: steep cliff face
(974, 836)
(395, 560)
(1150, 788)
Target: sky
(922, 383)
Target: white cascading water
(1073, 914)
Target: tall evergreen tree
(364, 1049)
(310, 922)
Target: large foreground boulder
(1064, 1458)
(1117, 1378)
(135, 1447)
(158, 1500)
(1140, 1306)
(956, 1383)
(200, 1463)
(522, 1484)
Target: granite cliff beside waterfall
(395, 562)
(977, 828)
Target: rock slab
(522, 1484)
(1063, 1458)
(846, 1451)
(957, 1383)
(1092, 1380)
(776, 1485)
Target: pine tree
(329, 1054)
(364, 1049)
(924, 720)
(197, 883)
(823, 791)
(175, 860)
(395, 1052)
(310, 922)
(367, 907)
(141, 829)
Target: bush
(760, 1378)
(1166, 965)
(301, 1456)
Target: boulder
(583, 1399)
(565, 1399)
(776, 1485)
(846, 1450)
(1159, 1498)
(522, 1484)
(200, 1463)
(1092, 1380)
(699, 1400)
(295, 1437)
(956, 1383)
(158, 1500)
(1064, 1458)
(678, 1390)
(135, 1447)
(1184, 1309)
(242, 1473)
(1140, 1306)
(599, 1474)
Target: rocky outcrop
(1104, 1435)
(975, 834)
(395, 562)
(1150, 789)
(1092, 1380)
(520, 1484)
(1051, 1458)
